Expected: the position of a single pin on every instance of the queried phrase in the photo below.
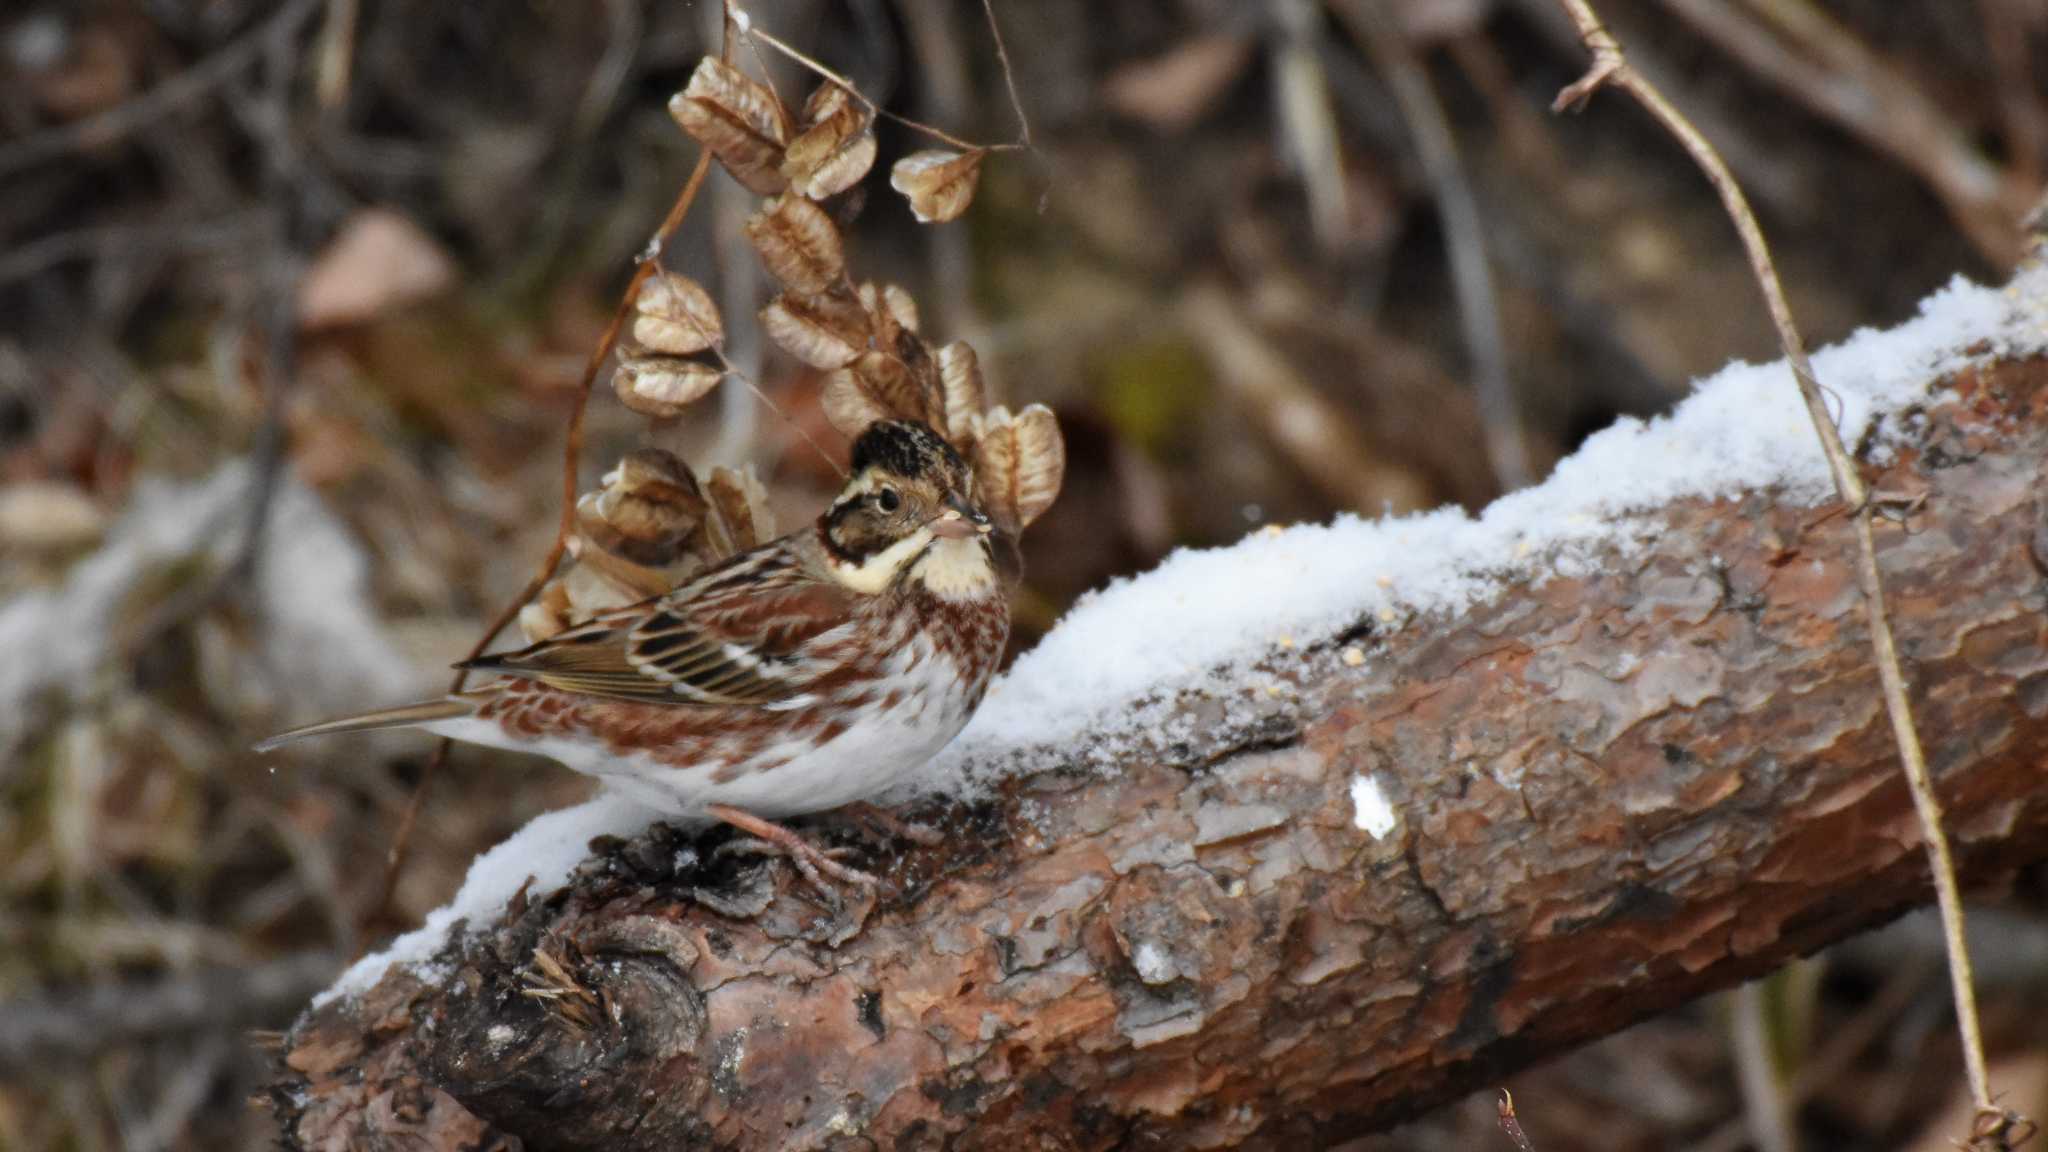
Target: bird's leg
(878, 818)
(812, 862)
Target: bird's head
(909, 504)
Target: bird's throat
(956, 569)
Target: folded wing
(749, 632)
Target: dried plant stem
(1511, 1123)
(572, 456)
(995, 30)
(337, 53)
(1611, 68)
(1801, 49)
(102, 128)
(941, 135)
(1377, 31)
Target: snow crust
(547, 850)
(1370, 811)
(1115, 665)
(1111, 673)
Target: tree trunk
(1497, 837)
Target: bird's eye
(887, 500)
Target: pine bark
(1612, 793)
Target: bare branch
(1607, 795)
(1609, 67)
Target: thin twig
(337, 54)
(944, 137)
(284, 184)
(1009, 75)
(160, 101)
(1373, 26)
(1511, 1123)
(1767, 1108)
(1839, 1051)
(572, 455)
(1609, 67)
(2024, 122)
(1829, 70)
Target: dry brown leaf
(836, 147)
(825, 331)
(378, 263)
(940, 185)
(799, 244)
(646, 510)
(548, 613)
(675, 315)
(662, 386)
(930, 387)
(49, 516)
(637, 535)
(966, 395)
(738, 119)
(1174, 90)
(741, 501)
(877, 386)
(1018, 464)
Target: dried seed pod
(738, 119)
(675, 315)
(940, 185)
(639, 534)
(647, 509)
(740, 504)
(924, 376)
(799, 244)
(662, 386)
(960, 376)
(825, 331)
(603, 580)
(890, 305)
(877, 386)
(836, 146)
(548, 614)
(1018, 464)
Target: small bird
(805, 674)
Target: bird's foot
(879, 819)
(814, 864)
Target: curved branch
(1499, 836)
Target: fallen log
(1321, 890)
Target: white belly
(790, 777)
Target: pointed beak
(960, 521)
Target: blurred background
(294, 298)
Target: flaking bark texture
(1612, 794)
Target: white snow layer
(546, 850)
(1115, 663)
(1369, 808)
(1112, 668)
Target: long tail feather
(421, 713)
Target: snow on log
(1288, 841)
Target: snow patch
(1369, 808)
(1114, 673)
(547, 850)
(1152, 963)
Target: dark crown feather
(905, 448)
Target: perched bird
(802, 675)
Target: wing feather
(740, 634)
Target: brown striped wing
(743, 633)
